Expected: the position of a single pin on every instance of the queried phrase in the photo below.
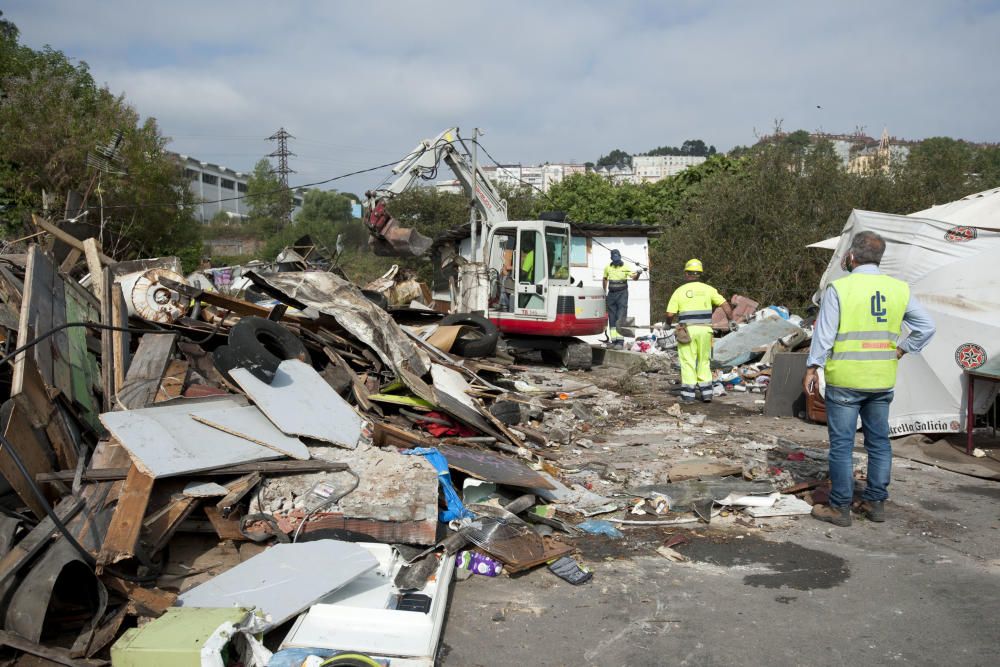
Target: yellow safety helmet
(693, 266)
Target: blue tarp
(456, 510)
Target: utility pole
(283, 170)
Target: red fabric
(441, 431)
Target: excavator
(516, 273)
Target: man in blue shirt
(860, 336)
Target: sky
(359, 84)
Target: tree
(267, 200)
(325, 216)
(616, 158)
(694, 147)
(51, 115)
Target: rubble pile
(283, 464)
(167, 440)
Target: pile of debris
(188, 470)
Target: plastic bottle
(478, 563)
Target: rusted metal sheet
(493, 467)
(406, 532)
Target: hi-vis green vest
(871, 314)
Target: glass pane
(557, 246)
(529, 264)
(578, 255)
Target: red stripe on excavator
(563, 325)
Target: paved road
(921, 589)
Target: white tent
(950, 256)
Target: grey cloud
(361, 83)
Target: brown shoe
(838, 516)
(873, 510)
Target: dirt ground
(922, 588)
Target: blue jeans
(842, 409)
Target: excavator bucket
(398, 241)
(390, 239)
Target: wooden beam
(107, 342)
(226, 529)
(146, 371)
(37, 403)
(267, 468)
(173, 380)
(120, 339)
(123, 533)
(72, 257)
(32, 450)
(66, 237)
(145, 601)
(160, 526)
(237, 489)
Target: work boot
(838, 516)
(873, 510)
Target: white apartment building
(218, 188)
(652, 168)
(617, 175)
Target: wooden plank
(65, 237)
(226, 529)
(145, 601)
(35, 315)
(160, 526)
(39, 407)
(38, 538)
(72, 257)
(59, 656)
(237, 489)
(93, 254)
(120, 339)
(123, 533)
(107, 343)
(29, 447)
(493, 467)
(146, 371)
(85, 374)
(173, 380)
(113, 472)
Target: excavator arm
(388, 237)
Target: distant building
(542, 177)
(617, 174)
(652, 168)
(218, 188)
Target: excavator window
(557, 247)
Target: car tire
(260, 345)
(481, 342)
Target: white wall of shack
(634, 250)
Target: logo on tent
(961, 234)
(970, 356)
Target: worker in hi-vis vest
(692, 304)
(856, 338)
(616, 277)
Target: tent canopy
(950, 256)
